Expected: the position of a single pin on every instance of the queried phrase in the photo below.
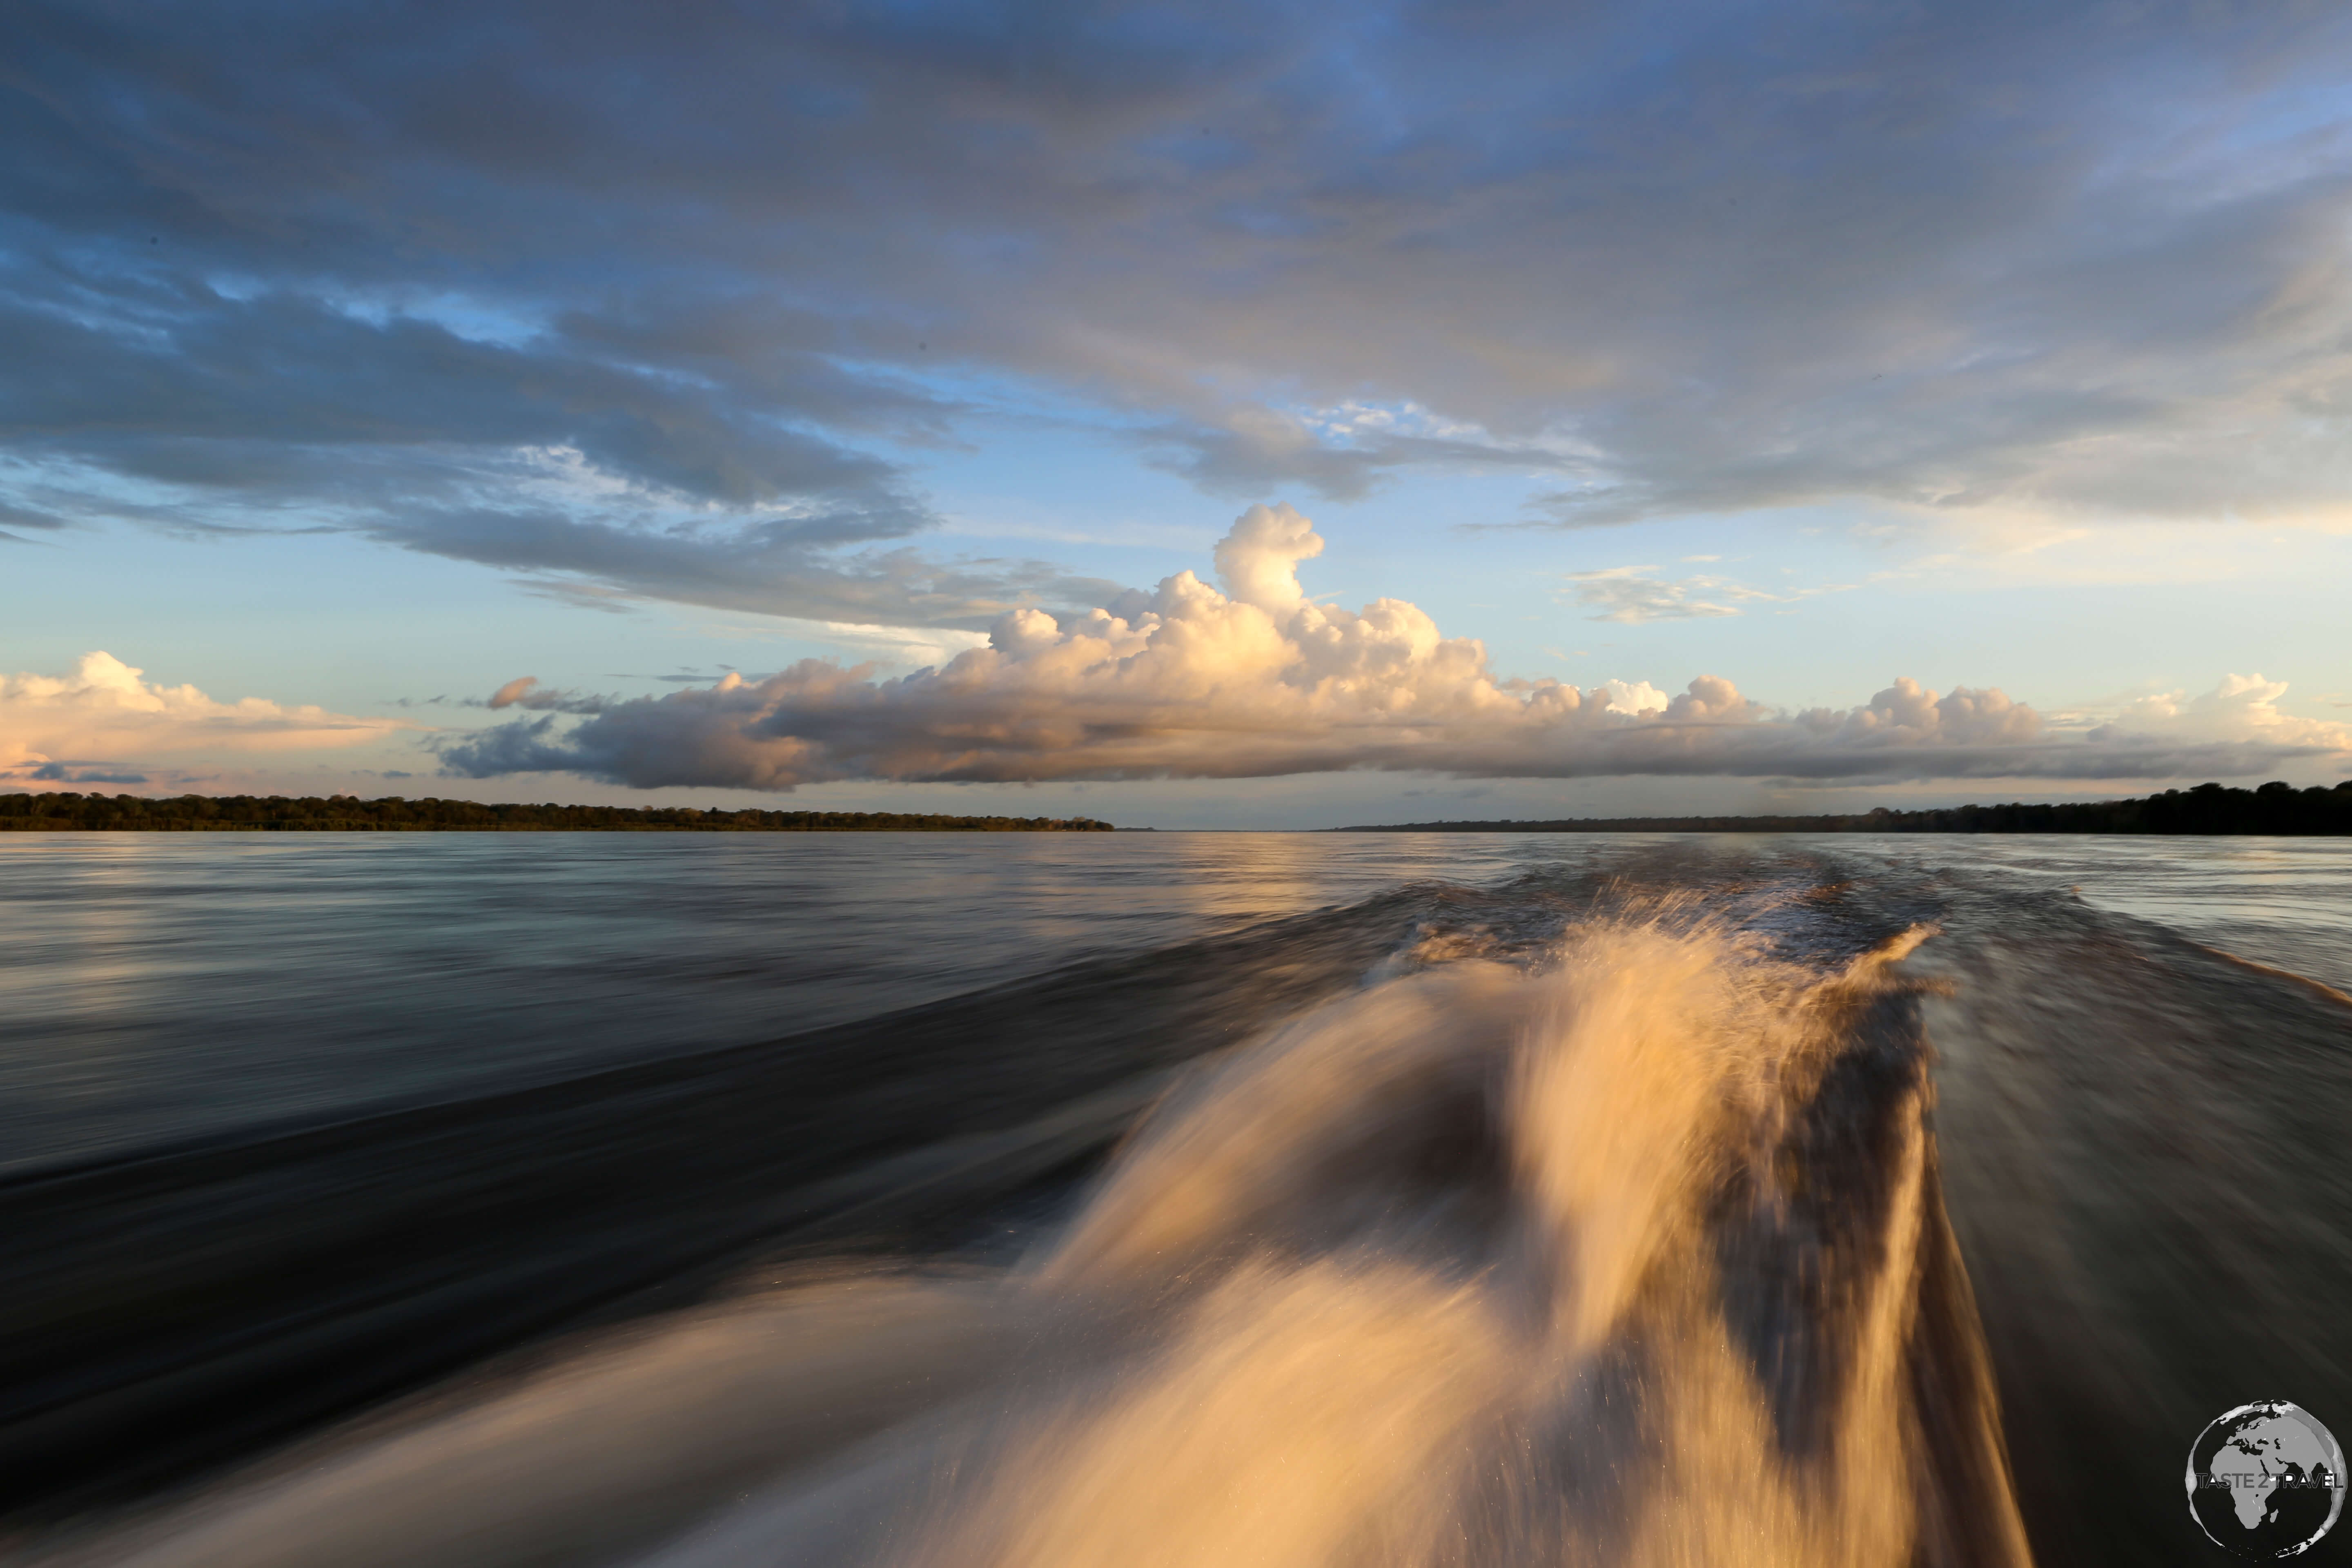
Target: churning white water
(1630, 1253)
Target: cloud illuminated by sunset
(104, 722)
(1257, 680)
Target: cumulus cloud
(2242, 708)
(1252, 679)
(1631, 697)
(105, 720)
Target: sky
(1264, 415)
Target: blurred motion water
(1468, 1199)
(161, 985)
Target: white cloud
(902, 647)
(104, 722)
(2242, 708)
(1258, 680)
(1634, 696)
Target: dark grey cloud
(748, 265)
(778, 567)
(238, 392)
(28, 517)
(1257, 450)
(14, 516)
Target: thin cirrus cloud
(369, 268)
(106, 724)
(1628, 593)
(1632, 595)
(1253, 679)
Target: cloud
(241, 394)
(1342, 455)
(1626, 594)
(603, 479)
(80, 774)
(1631, 697)
(1257, 681)
(899, 647)
(2242, 708)
(1622, 594)
(792, 566)
(16, 516)
(354, 266)
(525, 692)
(51, 724)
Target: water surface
(1193, 1199)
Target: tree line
(2209, 808)
(69, 810)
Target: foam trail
(1631, 1254)
(616, 1447)
(1619, 1262)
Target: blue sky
(357, 362)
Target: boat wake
(1625, 1246)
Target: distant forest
(344, 814)
(2275, 808)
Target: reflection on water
(159, 986)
